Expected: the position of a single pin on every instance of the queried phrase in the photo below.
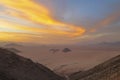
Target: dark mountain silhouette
(15, 67)
(54, 50)
(13, 50)
(13, 45)
(109, 70)
(112, 45)
(65, 50)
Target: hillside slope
(109, 70)
(14, 67)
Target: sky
(59, 21)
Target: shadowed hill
(14, 67)
(109, 70)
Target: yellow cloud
(32, 38)
(39, 14)
(8, 36)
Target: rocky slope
(14, 67)
(109, 70)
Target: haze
(41, 25)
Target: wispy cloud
(37, 15)
(28, 21)
(106, 21)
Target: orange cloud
(8, 36)
(35, 30)
(106, 21)
(39, 14)
(32, 38)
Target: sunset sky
(59, 21)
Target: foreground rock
(109, 70)
(14, 67)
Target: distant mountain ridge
(14, 67)
(110, 43)
(109, 70)
(13, 45)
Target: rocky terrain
(15, 67)
(109, 70)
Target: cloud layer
(31, 21)
(38, 20)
